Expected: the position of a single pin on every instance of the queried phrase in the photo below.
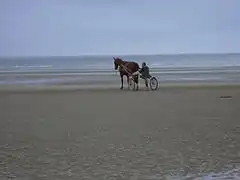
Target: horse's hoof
(121, 88)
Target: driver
(145, 73)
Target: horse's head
(117, 62)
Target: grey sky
(75, 27)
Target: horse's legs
(121, 81)
(136, 81)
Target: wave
(26, 66)
(39, 81)
(32, 66)
(233, 174)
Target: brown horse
(126, 68)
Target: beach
(174, 132)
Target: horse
(126, 68)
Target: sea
(83, 70)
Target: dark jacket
(145, 71)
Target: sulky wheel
(153, 83)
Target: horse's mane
(124, 62)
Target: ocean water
(106, 62)
(168, 68)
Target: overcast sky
(75, 27)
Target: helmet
(143, 64)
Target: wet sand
(113, 134)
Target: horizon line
(152, 54)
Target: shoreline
(102, 88)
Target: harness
(126, 69)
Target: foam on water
(233, 174)
(40, 81)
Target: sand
(113, 134)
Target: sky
(85, 27)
